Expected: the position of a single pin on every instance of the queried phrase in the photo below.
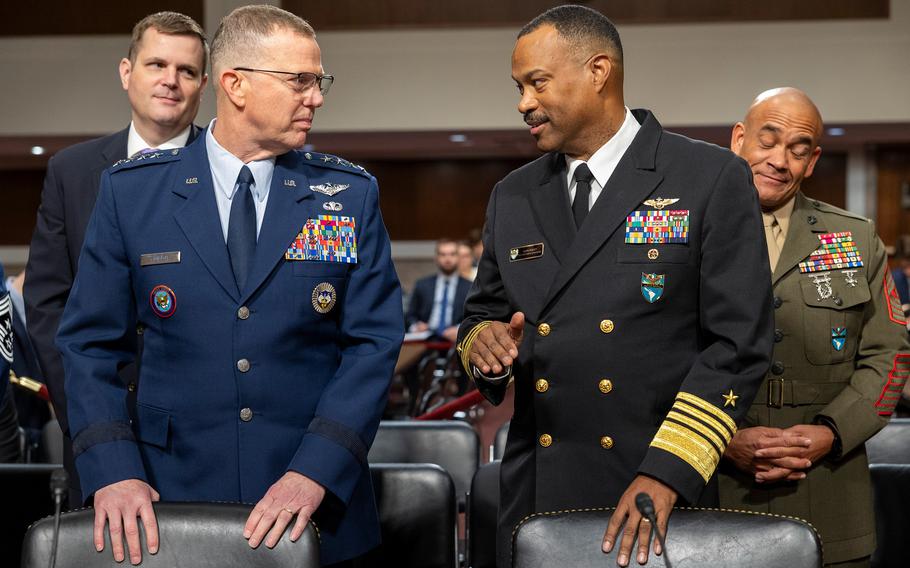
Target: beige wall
(857, 71)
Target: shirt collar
(604, 160)
(226, 167)
(135, 142)
(783, 214)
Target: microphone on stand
(59, 485)
(646, 507)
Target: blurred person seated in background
(9, 427)
(437, 302)
(466, 267)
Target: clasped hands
(120, 504)
(776, 454)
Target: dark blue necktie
(583, 177)
(443, 308)
(241, 241)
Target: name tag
(153, 258)
(526, 252)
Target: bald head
(779, 139)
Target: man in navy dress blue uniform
(266, 359)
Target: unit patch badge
(652, 286)
(838, 338)
(163, 301)
(324, 297)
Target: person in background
(466, 266)
(164, 76)
(437, 302)
(841, 356)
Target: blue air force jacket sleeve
(736, 324)
(334, 450)
(96, 339)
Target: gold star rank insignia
(730, 399)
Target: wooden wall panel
(20, 196)
(358, 15)
(84, 17)
(829, 181)
(893, 219)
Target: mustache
(532, 118)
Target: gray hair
(241, 32)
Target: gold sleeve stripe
(708, 420)
(709, 408)
(693, 449)
(698, 427)
(464, 348)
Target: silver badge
(6, 329)
(330, 189)
(324, 297)
(190, 181)
(332, 206)
(291, 183)
(156, 258)
(849, 279)
(822, 285)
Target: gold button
(243, 313)
(545, 440)
(653, 254)
(606, 326)
(606, 442)
(243, 365)
(605, 386)
(131, 387)
(543, 329)
(140, 329)
(542, 385)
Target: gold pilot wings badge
(330, 189)
(661, 202)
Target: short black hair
(580, 26)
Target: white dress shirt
(135, 143)
(225, 169)
(603, 162)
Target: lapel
(631, 183)
(802, 237)
(114, 149)
(284, 217)
(550, 204)
(198, 216)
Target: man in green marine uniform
(841, 355)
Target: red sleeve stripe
(892, 300)
(896, 380)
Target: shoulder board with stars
(157, 157)
(334, 163)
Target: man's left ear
(601, 69)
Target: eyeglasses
(301, 82)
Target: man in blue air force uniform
(266, 359)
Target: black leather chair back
(707, 537)
(891, 490)
(483, 512)
(51, 443)
(450, 444)
(891, 444)
(25, 497)
(192, 534)
(499, 442)
(417, 514)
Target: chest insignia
(163, 301)
(330, 189)
(838, 338)
(652, 286)
(327, 238)
(324, 297)
(526, 252)
(660, 202)
(835, 251)
(822, 285)
(657, 226)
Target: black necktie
(241, 241)
(583, 177)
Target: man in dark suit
(163, 76)
(621, 288)
(437, 302)
(263, 280)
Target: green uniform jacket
(840, 352)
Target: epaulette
(828, 208)
(156, 157)
(334, 163)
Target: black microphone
(645, 506)
(59, 484)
